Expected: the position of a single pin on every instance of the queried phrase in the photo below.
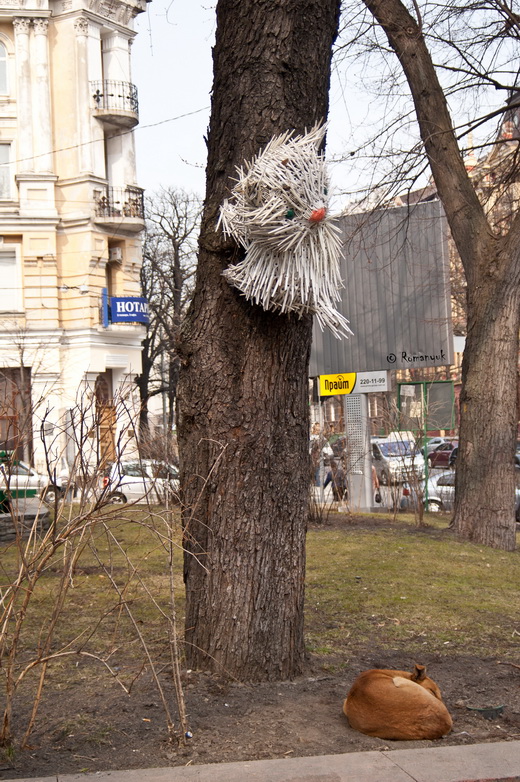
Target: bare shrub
(41, 564)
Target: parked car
(396, 460)
(18, 480)
(441, 491)
(146, 480)
(441, 494)
(440, 457)
(453, 456)
(434, 443)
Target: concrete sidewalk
(494, 762)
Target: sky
(172, 68)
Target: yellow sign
(330, 385)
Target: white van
(396, 460)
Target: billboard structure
(397, 299)
(397, 294)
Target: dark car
(440, 457)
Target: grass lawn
(384, 582)
(394, 585)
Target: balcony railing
(115, 101)
(113, 204)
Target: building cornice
(13, 225)
(78, 222)
(101, 337)
(115, 13)
(14, 9)
(74, 221)
(35, 177)
(31, 337)
(82, 179)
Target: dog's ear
(419, 673)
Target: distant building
(70, 217)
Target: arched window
(3, 69)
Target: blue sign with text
(129, 309)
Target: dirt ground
(103, 729)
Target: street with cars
(404, 476)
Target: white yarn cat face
(279, 213)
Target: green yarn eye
(290, 214)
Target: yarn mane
(278, 211)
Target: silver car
(441, 491)
(19, 480)
(144, 480)
(441, 494)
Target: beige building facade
(71, 213)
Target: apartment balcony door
(106, 418)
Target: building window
(5, 172)
(10, 274)
(3, 70)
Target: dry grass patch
(376, 582)
(423, 589)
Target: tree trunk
(485, 480)
(173, 382)
(484, 507)
(143, 383)
(243, 388)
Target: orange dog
(397, 705)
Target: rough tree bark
(243, 389)
(484, 508)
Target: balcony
(120, 207)
(115, 102)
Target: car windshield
(164, 471)
(133, 470)
(17, 468)
(446, 480)
(398, 448)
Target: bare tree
(444, 49)
(243, 390)
(173, 220)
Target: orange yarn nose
(318, 215)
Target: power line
(99, 140)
